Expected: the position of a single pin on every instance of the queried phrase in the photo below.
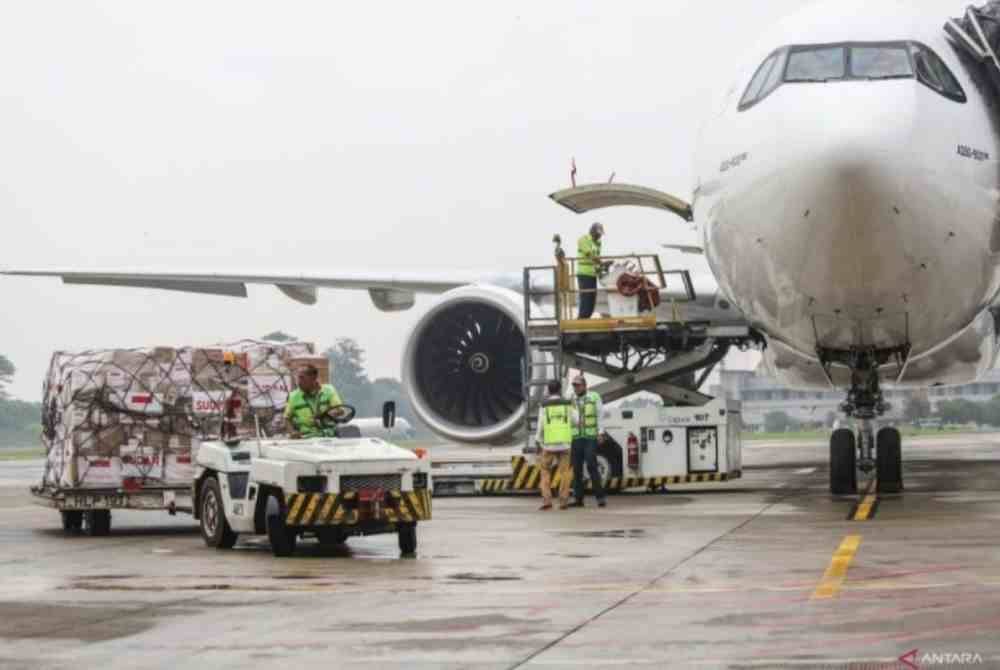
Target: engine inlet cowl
(463, 366)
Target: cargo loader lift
(639, 341)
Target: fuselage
(849, 203)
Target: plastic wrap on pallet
(140, 414)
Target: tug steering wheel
(347, 416)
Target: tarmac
(768, 571)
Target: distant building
(761, 395)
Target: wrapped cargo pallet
(126, 419)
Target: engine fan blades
(468, 365)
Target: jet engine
(463, 366)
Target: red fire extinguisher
(633, 451)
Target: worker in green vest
(311, 407)
(586, 433)
(556, 417)
(588, 261)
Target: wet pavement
(766, 571)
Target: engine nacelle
(463, 366)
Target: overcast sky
(328, 136)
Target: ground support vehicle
(650, 449)
(329, 488)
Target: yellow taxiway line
(836, 573)
(866, 508)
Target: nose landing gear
(868, 450)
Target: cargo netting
(135, 417)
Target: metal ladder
(543, 351)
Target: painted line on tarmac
(865, 511)
(836, 572)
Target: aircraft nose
(847, 217)
(831, 228)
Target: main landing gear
(865, 449)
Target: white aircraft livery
(847, 203)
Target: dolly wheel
(72, 521)
(97, 522)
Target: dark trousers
(587, 286)
(584, 450)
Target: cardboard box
(143, 412)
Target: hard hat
(597, 227)
(229, 358)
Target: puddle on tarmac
(481, 577)
(612, 534)
(47, 621)
(571, 555)
(443, 625)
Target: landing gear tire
(215, 528)
(97, 522)
(889, 461)
(407, 538)
(282, 538)
(843, 463)
(72, 521)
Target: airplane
(846, 201)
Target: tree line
(916, 408)
(20, 421)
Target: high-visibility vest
(586, 425)
(304, 410)
(587, 249)
(556, 425)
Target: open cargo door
(589, 197)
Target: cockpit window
(881, 62)
(816, 64)
(852, 61)
(766, 79)
(932, 72)
(757, 83)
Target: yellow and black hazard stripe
(335, 509)
(493, 485)
(528, 477)
(409, 506)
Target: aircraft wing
(389, 291)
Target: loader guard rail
(651, 280)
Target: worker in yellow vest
(588, 252)
(556, 417)
(586, 433)
(311, 405)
